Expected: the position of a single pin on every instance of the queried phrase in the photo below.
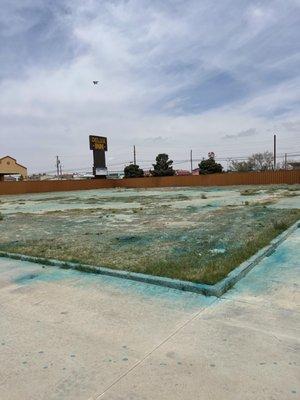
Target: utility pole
(191, 159)
(274, 152)
(285, 160)
(134, 156)
(57, 166)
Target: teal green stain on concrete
(211, 290)
(44, 275)
(33, 274)
(123, 239)
(25, 278)
(282, 265)
(174, 298)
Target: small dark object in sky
(95, 82)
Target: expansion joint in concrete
(138, 363)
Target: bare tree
(257, 162)
(239, 166)
(262, 161)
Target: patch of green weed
(249, 192)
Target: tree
(239, 166)
(261, 161)
(256, 162)
(163, 166)
(209, 166)
(133, 171)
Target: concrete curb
(209, 290)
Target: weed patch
(169, 234)
(249, 192)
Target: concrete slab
(275, 280)
(213, 360)
(67, 335)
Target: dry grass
(198, 241)
(218, 266)
(290, 194)
(249, 192)
(130, 252)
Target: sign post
(99, 146)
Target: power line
(147, 164)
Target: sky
(173, 76)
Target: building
(183, 172)
(115, 175)
(9, 166)
(41, 177)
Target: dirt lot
(197, 234)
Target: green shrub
(163, 166)
(133, 171)
(209, 166)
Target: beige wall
(8, 165)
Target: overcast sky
(174, 75)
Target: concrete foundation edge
(208, 290)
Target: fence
(225, 179)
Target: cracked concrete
(68, 335)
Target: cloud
(241, 134)
(292, 126)
(157, 139)
(34, 35)
(173, 75)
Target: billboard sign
(98, 143)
